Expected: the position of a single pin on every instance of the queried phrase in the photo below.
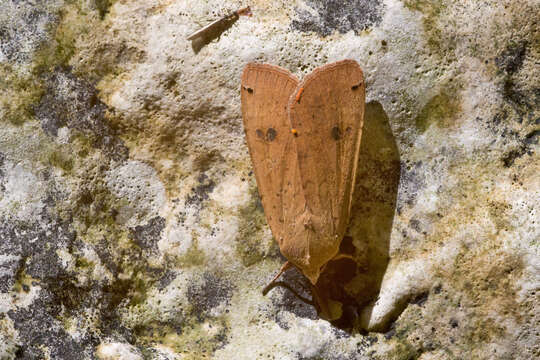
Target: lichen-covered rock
(130, 222)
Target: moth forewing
(265, 91)
(326, 110)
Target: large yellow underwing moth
(304, 140)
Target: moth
(304, 140)
(219, 24)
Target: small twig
(221, 24)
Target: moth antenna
(288, 287)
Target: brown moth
(304, 140)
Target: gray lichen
(326, 16)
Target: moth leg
(342, 256)
(275, 283)
(294, 292)
(327, 308)
(284, 268)
(316, 298)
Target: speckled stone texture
(130, 222)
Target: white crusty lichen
(451, 84)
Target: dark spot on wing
(259, 133)
(336, 133)
(271, 134)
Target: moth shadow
(357, 283)
(211, 34)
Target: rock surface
(130, 223)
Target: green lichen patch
(441, 110)
(402, 351)
(498, 212)
(61, 46)
(194, 256)
(94, 206)
(61, 160)
(486, 281)
(20, 91)
(90, 205)
(193, 340)
(132, 287)
(80, 38)
(103, 7)
(125, 274)
(199, 333)
(73, 103)
(165, 144)
(437, 38)
(466, 311)
(100, 54)
(448, 323)
(23, 282)
(476, 296)
(133, 276)
(251, 245)
(493, 278)
(18, 94)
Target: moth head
(312, 273)
(309, 265)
